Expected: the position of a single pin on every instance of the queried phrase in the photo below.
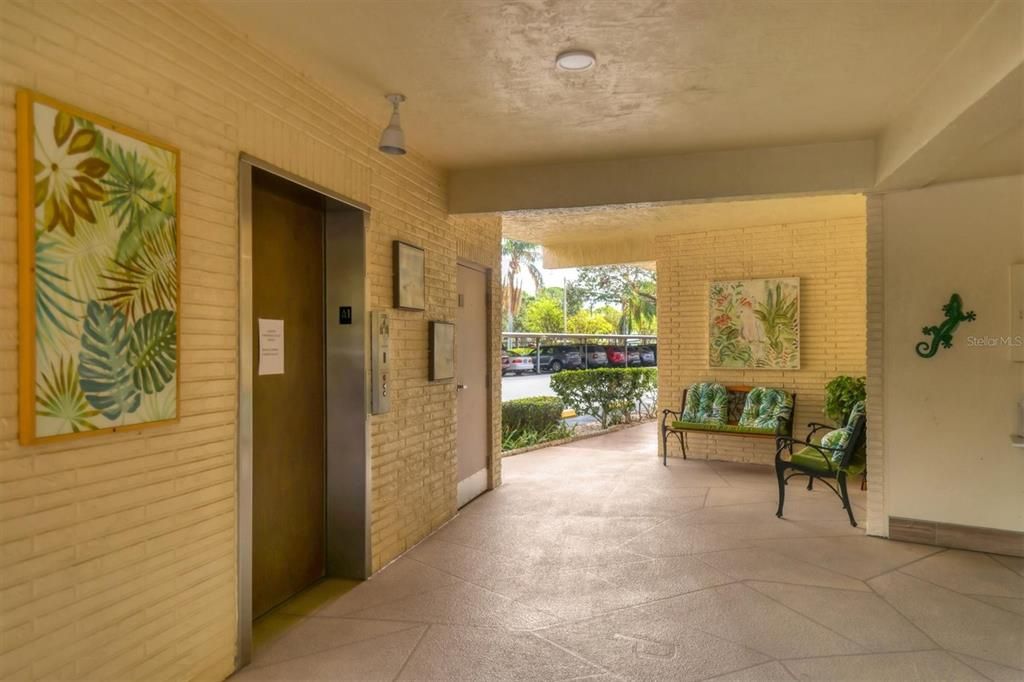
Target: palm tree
(639, 306)
(518, 255)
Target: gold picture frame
(99, 274)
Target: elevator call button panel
(380, 374)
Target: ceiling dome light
(576, 60)
(392, 140)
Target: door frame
(489, 338)
(243, 472)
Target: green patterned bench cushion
(721, 428)
(765, 408)
(840, 437)
(706, 403)
(809, 458)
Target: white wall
(947, 419)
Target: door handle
(461, 386)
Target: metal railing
(584, 340)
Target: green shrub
(522, 438)
(533, 414)
(841, 394)
(613, 395)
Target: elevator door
(288, 409)
(473, 392)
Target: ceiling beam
(829, 168)
(976, 95)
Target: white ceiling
(673, 76)
(632, 221)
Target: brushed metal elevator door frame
(473, 383)
(243, 527)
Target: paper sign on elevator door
(271, 346)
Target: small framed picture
(410, 279)
(442, 351)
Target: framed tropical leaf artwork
(98, 249)
(754, 324)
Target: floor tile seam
(641, 605)
(834, 631)
(981, 658)
(783, 556)
(749, 667)
(572, 653)
(973, 595)
(412, 626)
(868, 653)
(969, 595)
(900, 568)
(821, 587)
(996, 606)
(969, 665)
(855, 577)
(821, 566)
(998, 560)
(747, 647)
(905, 617)
(411, 653)
(511, 600)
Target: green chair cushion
(809, 458)
(766, 407)
(720, 428)
(706, 403)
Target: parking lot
(526, 386)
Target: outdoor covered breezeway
(871, 149)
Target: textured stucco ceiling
(565, 226)
(673, 76)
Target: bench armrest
(817, 426)
(783, 443)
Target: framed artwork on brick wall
(410, 277)
(754, 324)
(442, 351)
(99, 274)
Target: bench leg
(846, 498)
(810, 482)
(664, 446)
(780, 473)
(682, 441)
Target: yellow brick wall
(828, 257)
(117, 553)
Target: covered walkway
(593, 560)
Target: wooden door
(288, 409)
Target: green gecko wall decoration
(943, 333)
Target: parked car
(633, 356)
(517, 364)
(594, 356)
(616, 356)
(557, 358)
(648, 356)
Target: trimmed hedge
(529, 421)
(532, 414)
(613, 395)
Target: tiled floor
(595, 561)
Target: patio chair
(837, 456)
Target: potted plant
(841, 394)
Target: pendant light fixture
(392, 140)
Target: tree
(633, 288)
(612, 315)
(516, 256)
(543, 315)
(587, 322)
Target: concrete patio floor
(593, 561)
